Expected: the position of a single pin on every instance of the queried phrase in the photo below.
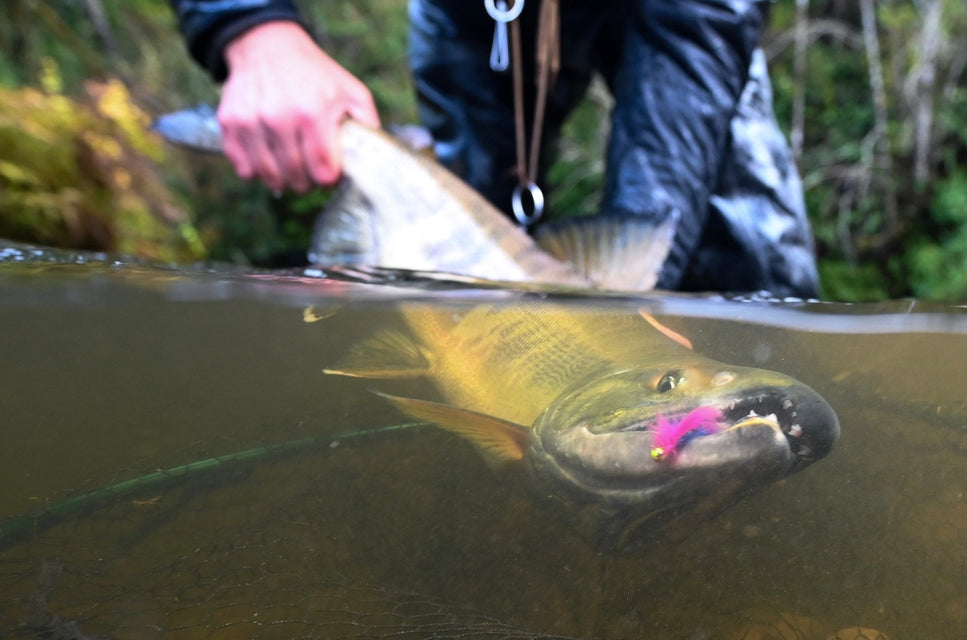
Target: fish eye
(669, 381)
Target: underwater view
(364, 454)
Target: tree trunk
(923, 83)
(102, 27)
(801, 34)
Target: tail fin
(343, 232)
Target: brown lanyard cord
(548, 57)
(548, 62)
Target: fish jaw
(594, 445)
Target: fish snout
(804, 420)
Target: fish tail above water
(343, 233)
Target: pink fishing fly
(670, 435)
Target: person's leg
(676, 83)
(757, 236)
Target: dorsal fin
(387, 354)
(498, 440)
(625, 253)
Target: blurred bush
(85, 174)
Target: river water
(270, 504)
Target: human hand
(282, 105)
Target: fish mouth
(808, 426)
(807, 423)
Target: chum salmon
(580, 400)
(396, 208)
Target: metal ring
(504, 15)
(537, 197)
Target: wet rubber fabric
(692, 129)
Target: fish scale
(536, 360)
(550, 353)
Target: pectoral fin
(498, 440)
(309, 314)
(387, 354)
(666, 331)
(625, 253)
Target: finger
(261, 154)
(233, 137)
(360, 105)
(286, 144)
(323, 151)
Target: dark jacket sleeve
(209, 25)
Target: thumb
(360, 107)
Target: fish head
(595, 443)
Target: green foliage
(576, 173)
(939, 266)
(85, 175)
(882, 196)
(844, 280)
(370, 39)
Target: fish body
(399, 209)
(576, 398)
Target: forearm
(210, 25)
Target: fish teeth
(795, 431)
(787, 404)
(754, 418)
